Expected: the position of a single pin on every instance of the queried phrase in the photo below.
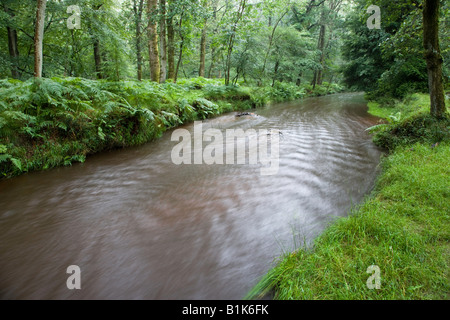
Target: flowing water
(141, 227)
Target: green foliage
(409, 122)
(389, 63)
(285, 91)
(421, 127)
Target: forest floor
(394, 245)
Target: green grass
(403, 227)
(415, 103)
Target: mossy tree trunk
(12, 45)
(163, 42)
(433, 57)
(152, 7)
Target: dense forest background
(241, 41)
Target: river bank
(58, 121)
(402, 228)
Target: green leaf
(17, 163)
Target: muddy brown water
(141, 227)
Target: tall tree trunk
(213, 60)
(162, 39)
(314, 80)
(138, 9)
(270, 43)
(13, 52)
(433, 57)
(97, 59)
(230, 45)
(152, 6)
(275, 71)
(170, 44)
(321, 47)
(180, 50)
(13, 47)
(39, 37)
(97, 51)
(201, 71)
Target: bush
(421, 127)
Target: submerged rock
(240, 114)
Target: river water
(141, 227)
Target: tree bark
(275, 71)
(201, 71)
(39, 37)
(162, 40)
(180, 50)
(170, 44)
(433, 57)
(97, 59)
(138, 9)
(230, 45)
(213, 59)
(321, 47)
(152, 6)
(97, 51)
(13, 47)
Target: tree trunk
(321, 47)
(230, 45)
(275, 71)
(170, 45)
(270, 43)
(152, 6)
(39, 37)
(314, 80)
(97, 59)
(201, 71)
(13, 52)
(180, 55)
(433, 57)
(162, 39)
(213, 59)
(13, 47)
(138, 20)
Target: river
(141, 227)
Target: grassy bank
(53, 122)
(403, 227)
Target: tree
(231, 40)
(170, 41)
(433, 57)
(285, 9)
(39, 37)
(96, 46)
(201, 70)
(163, 43)
(327, 15)
(12, 43)
(152, 6)
(137, 10)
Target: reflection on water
(141, 227)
